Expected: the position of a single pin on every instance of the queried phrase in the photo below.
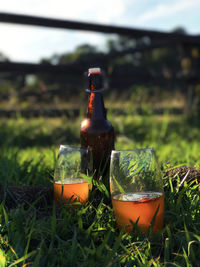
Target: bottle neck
(96, 109)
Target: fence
(188, 77)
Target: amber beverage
(71, 184)
(137, 190)
(71, 191)
(142, 208)
(96, 131)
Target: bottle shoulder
(102, 125)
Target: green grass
(89, 236)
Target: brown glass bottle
(96, 131)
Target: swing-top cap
(94, 70)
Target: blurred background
(144, 63)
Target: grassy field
(89, 236)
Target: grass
(89, 236)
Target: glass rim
(70, 147)
(134, 150)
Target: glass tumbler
(136, 189)
(69, 183)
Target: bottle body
(99, 137)
(97, 133)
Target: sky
(30, 44)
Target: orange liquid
(131, 206)
(71, 192)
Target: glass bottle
(97, 132)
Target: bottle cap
(94, 70)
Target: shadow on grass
(165, 130)
(15, 172)
(22, 137)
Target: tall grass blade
(73, 252)
(22, 259)
(29, 236)
(2, 258)
(167, 250)
(188, 239)
(53, 228)
(108, 259)
(187, 261)
(103, 244)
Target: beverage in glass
(72, 167)
(137, 190)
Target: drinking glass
(72, 166)
(136, 189)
